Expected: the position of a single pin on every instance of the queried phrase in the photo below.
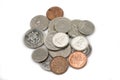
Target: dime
(77, 60)
(59, 65)
(86, 27)
(62, 52)
(54, 12)
(60, 39)
(34, 38)
(88, 50)
(48, 42)
(46, 64)
(40, 54)
(79, 43)
(39, 21)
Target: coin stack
(59, 41)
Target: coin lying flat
(34, 38)
(77, 60)
(88, 50)
(62, 52)
(79, 43)
(46, 64)
(54, 12)
(86, 27)
(40, 21)
(60, 39)
(48, 42)
(40, 54)
(59, 65)
(74, 32)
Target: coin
(46, 64)
(51, 27)
(60, 39)
(77, 60)
(48, 42)
(34, 38)
(62, 52)
(59, 65)
(79, 43)
(54, 12)
(63, 25)
(40, 54)
(88, 50)
(73, 32)
(39, 21)
(86, 27)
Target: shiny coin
(77, 60)
(63, 52)
(60, 39)
(79, 43)
(48, 42)
(62, 25)
(40, 54)
(46, 64)
(34, 38)
(88, 50)
(59, 65)
(73, 32)
(39, 21)
(86, 27)
(54, 12)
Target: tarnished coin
(48, 42)
(40, 21)
(60, 39)
(39, 55)
(46, 64)
(79, 43)
(54, 12)
(88, 50)
(86, 27)
(62, 52)
(34, 38)
(77, 60)
(59, 65)
(63, 25)
(73, 32)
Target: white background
(15, 58)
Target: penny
(86, 27)
(34, 38)
(39, 21)
(62, 52)
(79, 43)
(40, 54)
(54, 12)
(88, 50)
(60, 39)
(59, 65)
(63, 25)
(77, 60)
(46, 64)
(48, 42)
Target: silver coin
(74, 28)
(88, 50)
(40, 54)
(48, 41)
(79, 43)
(64, 52)
(51, 27)
(46, 64)
(34, 38)
(63, 25)
(60, 39)
(86, 27)
(39, 21)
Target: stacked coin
(59, 41)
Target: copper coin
(77, 60)
(54, 12)
(59, 65)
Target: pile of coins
(59, 42)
